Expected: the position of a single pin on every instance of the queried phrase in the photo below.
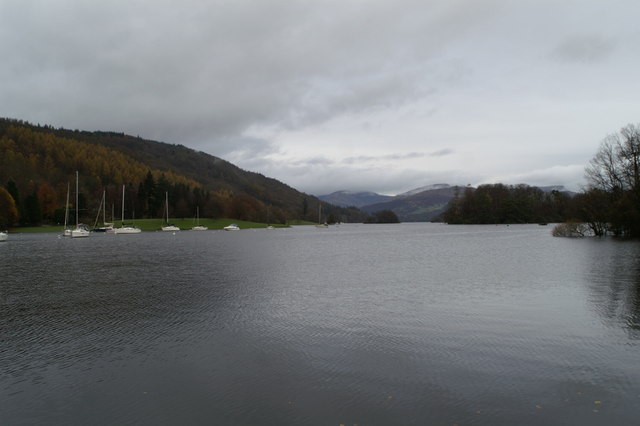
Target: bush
(571, 229)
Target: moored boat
(66, 232)
(80, 231)
(106, 226)
(169, 226)
(126, 229)
(198, 227)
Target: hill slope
(37, 157)
(422, 206)
(357, 199)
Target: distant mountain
(427, 203)
(355, 199)
(419, 205)
(424, 188)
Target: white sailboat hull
(170, 228)
(79, 233)
(4, 236)
(127, 230)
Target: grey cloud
(395, 157)
(194, 72)
(387, 157)
(442, 152)
(319, 175)
(207, 74)
(312, 162)
(584, 48)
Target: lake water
(407, 324)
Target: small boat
(198, 227)
(169, 227)
(80, 231)
(4, 236)
(232, 227)
(126, 229)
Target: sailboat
(80, 230)
(320, 224)
(198, 227)
(106, 226)
(126, 229)
(269, 226)
(168, 226)
(67, 231)
(4, 236)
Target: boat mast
(122, 205)
(102, 206)
(66, 210)
(76, 198)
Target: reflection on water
(356, 324)
(613, 278)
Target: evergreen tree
(32, 212)
(12, 188)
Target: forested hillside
(38, 162)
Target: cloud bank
(326, 95)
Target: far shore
(155, 225)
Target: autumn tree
(12, 188)
(245, 207)
(47, 197)
(8, 211)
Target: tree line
(609, 205)
(501, 204)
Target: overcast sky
(372, 95)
